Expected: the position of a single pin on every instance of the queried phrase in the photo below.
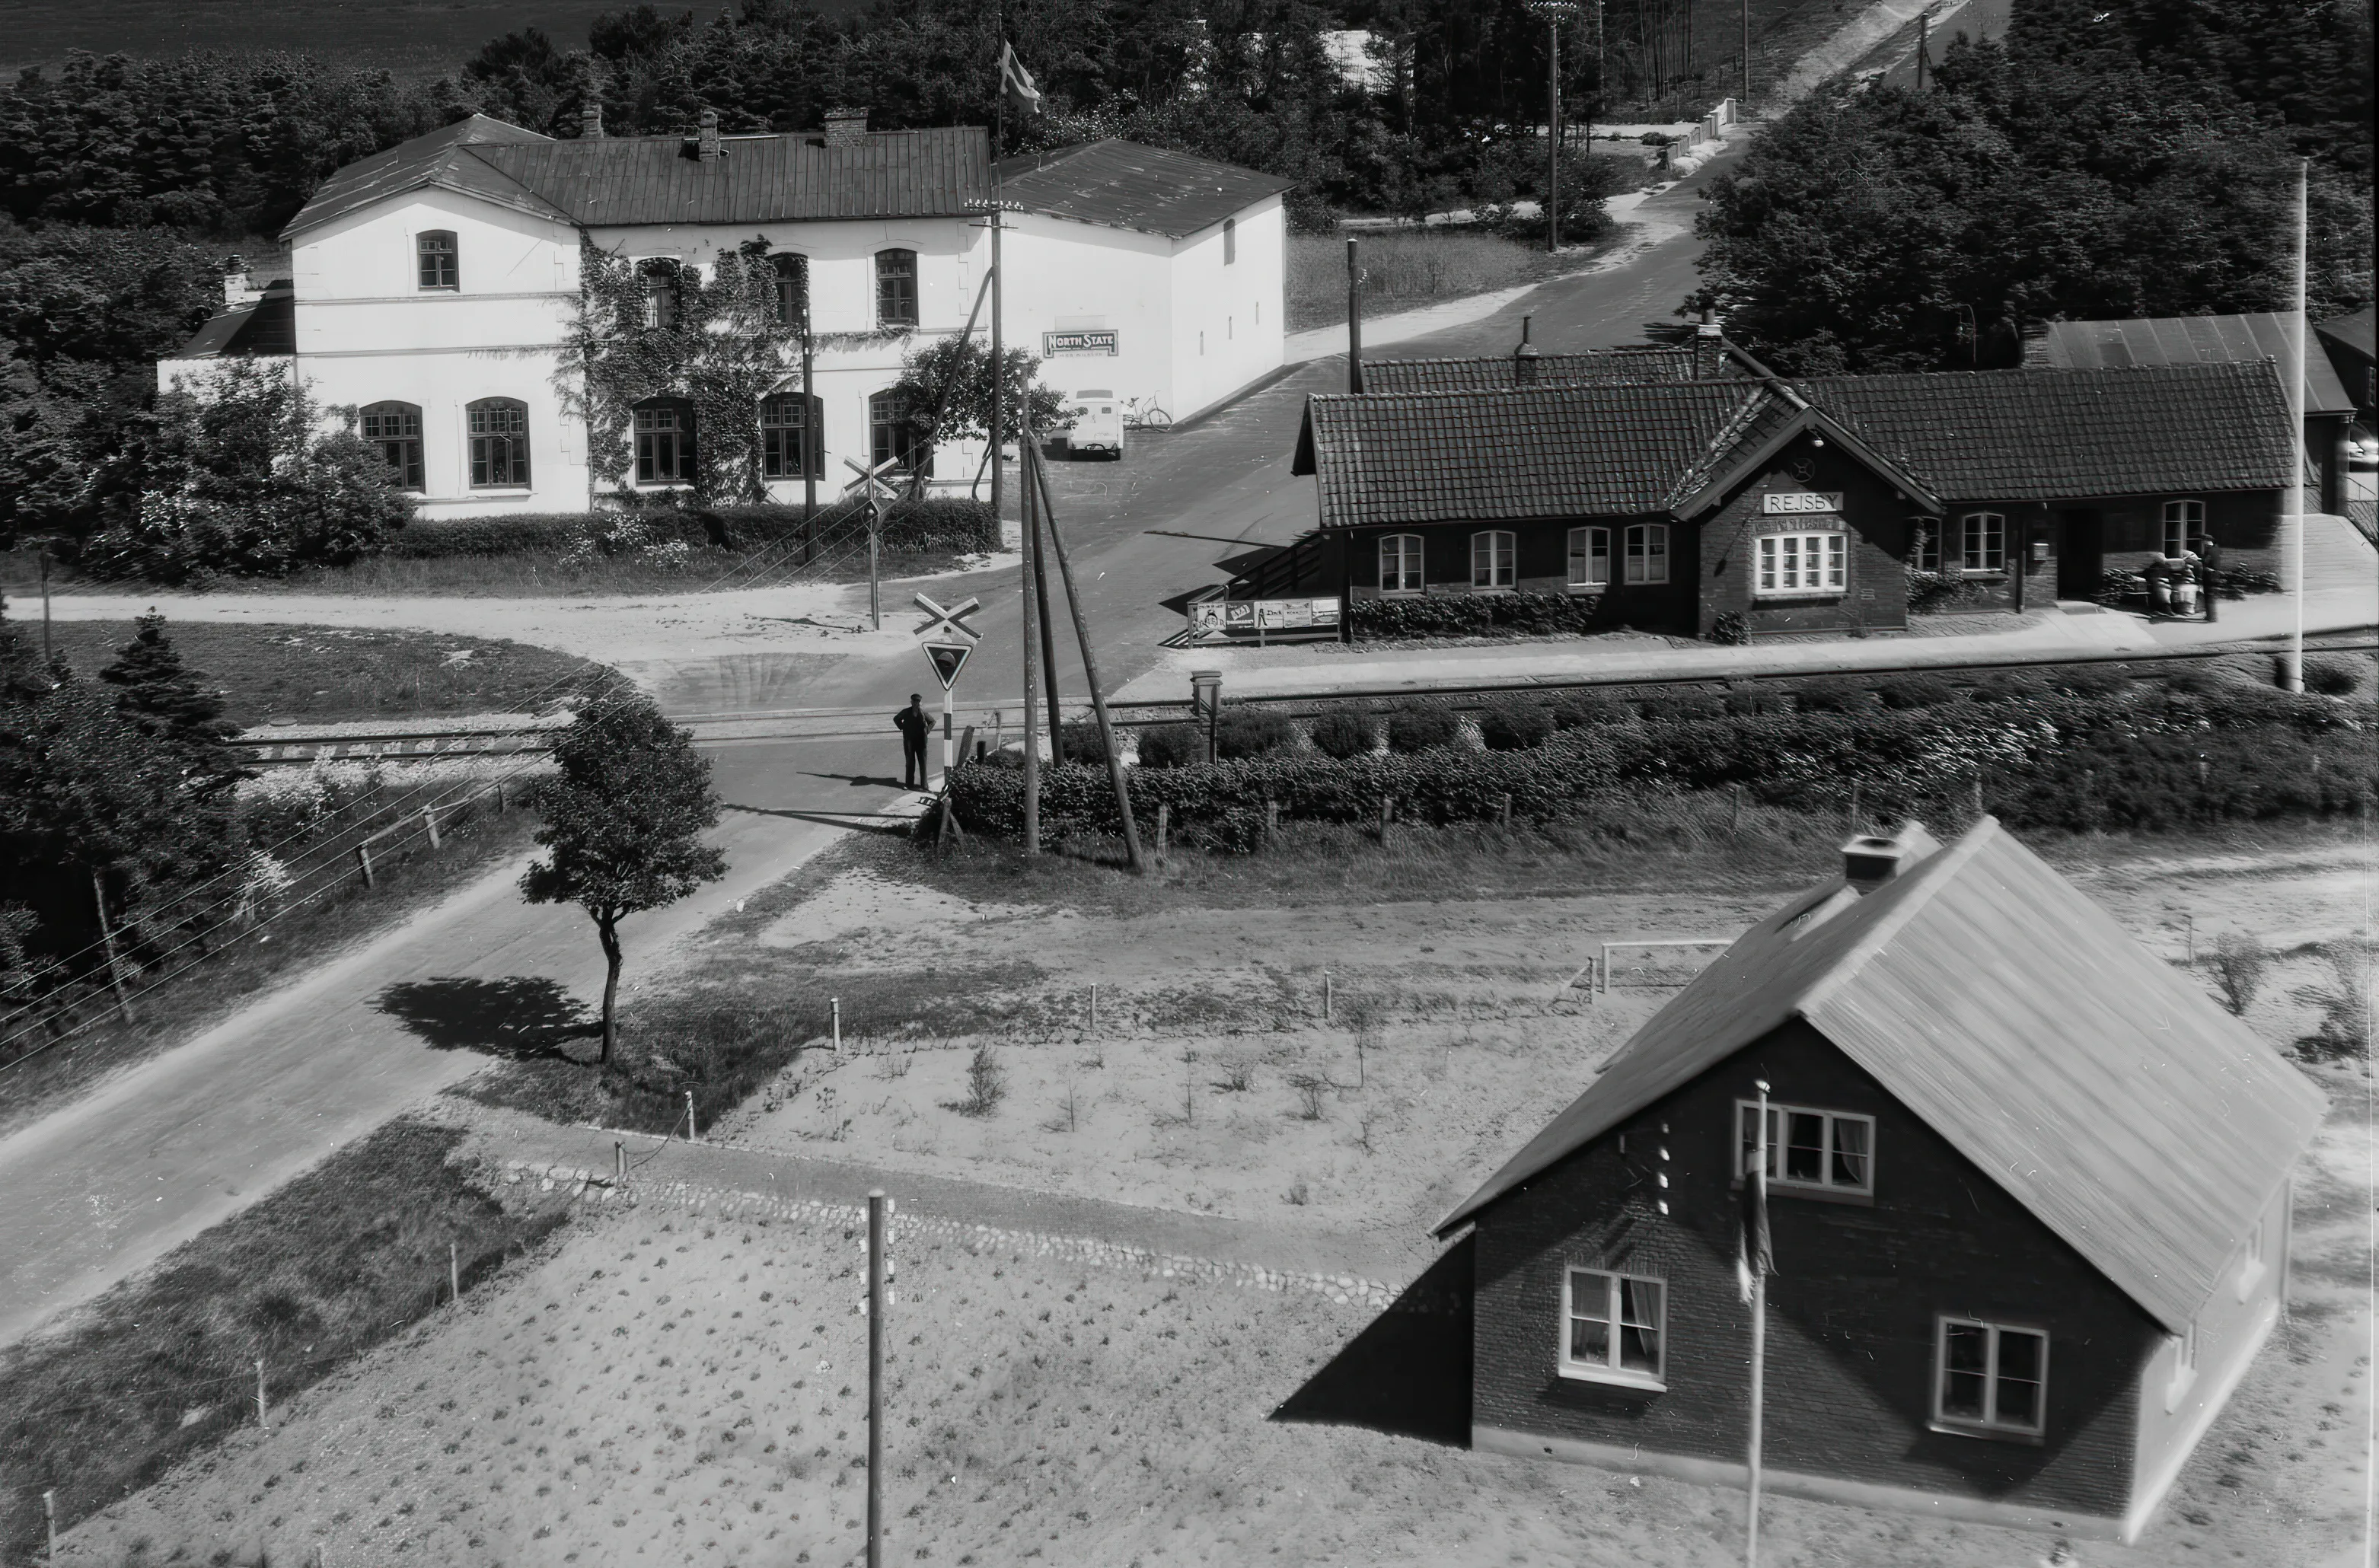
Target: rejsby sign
(1099, 342)
(1797, 504)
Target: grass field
(323, 675)
(1409, 268)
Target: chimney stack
(1871, 860)
(2036, 345)
(590, 121)
(706, 146)
(239, 287)
(1524, 358)
(1710, 349)
(846, 127)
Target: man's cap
(916, 696)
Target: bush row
(1473, 615)
(909, 527)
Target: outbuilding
(2029, 1195)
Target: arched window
(1230, 241)
(661, 300)
(664, 442)
(2184, 526)
(395, 430)
(499, 434)
(439, 260)
(1400, 563)
(1648, 552)
(782, 430)
(1982, 541)
(1494, 554)
(1589, 558)
(896, 289)
(793, 286)
(890, 436)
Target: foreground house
(2029, 1190)
(1788, 505)
(433, 287)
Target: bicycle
(1143, 414)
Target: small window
(1492, 554)
(892, 437)
(1230, 241)
(439, 260)
(790, 277)
(395, 430)
(1925, 544)
(498, 428)
(2184, 1368)
(1400, 563)
(1825, 1150)
(1648, 552)
(896, 289)
(1613, 1328)
(662, 303)
(664, 443)
(782, 430)
(1589, 558)
(2184, 524)
(1990, 1380)
(1982, 542)
(1804, 565)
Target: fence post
(1095, 1009)
(429, 820)
(691, 1133)
(1503, 813)
(1163, 828)
(363, 862)
(834, 1004)
(453, 1273)
(259, 1392)
(50, 1518)
(1387, 815)
(618, 1163)
(1272, 819)
(107, 934)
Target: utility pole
(49, 653)
(1552, 130)
(813, 447)
(1746, 57)
(878, 1237)
(1116, 777)
(2293, 671)
(1354, 315)
(1924, 26)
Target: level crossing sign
(948, 659)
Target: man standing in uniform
(915, 724)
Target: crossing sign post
(875, 488)
(947, 640)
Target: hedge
(910, 528)
(1472, 615)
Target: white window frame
(1500, 550)
(1611, 1283)
(1590, 546)
(2252, 1265)
(1407, 552)
(1925, 551)
(1646, 545)
(1779, 1182)
(2184, 1368)
(1989, 1424)
(1982, 543)
(1804, 564)
(2183, 521)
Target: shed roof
(2192, 340)
(2352, 331)
(266, 325)
(1122, 185)
(2108, 1095)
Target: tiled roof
(2109, 1094)
(2353, 330)
(1498, 372)
(1600, 450)
(263, 326)
(1122, 185)
(2035, 435)
(621, 180)
(2191, 339)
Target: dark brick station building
(1675, 487)
(2029, 1189)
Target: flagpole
(1758, 1173)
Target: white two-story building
(433, 285)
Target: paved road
(113, 1182)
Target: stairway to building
(2338, 554)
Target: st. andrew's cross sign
(947, 640)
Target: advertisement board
(1103, 341)
(1249, 618)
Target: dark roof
(2030, 435)
(2350, 331)
(620, 180)
(1494, 371)
(1121, 184)
(2191, 339)
(263, 326)
(2104, 1091)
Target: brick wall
(1540, 565)
(1878, 523)
(1852, 1307)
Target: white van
(1097, 424)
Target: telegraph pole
(1552, 130)
(877, 1239)
(1354, 315)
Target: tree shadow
(1408, 1373)
(519, 1017)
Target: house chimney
(1524, 358)
(1871, 860)
(706, 146)
(239, 287)
(846, 127)
(590, 121)
(1710, 349)
(2036, 345)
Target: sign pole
(946, 736)
(1758, 1173)
(874, 587)
(1117, 778)
(876, 1378)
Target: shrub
(2334, 677)
(910, 528)
(1514, 725)
(1745, 697)
(1242, 731)
(2009, 689)
(2233, 583)
(1082, 742)
(2088, 680)
(2237, 963)
(1472, 615)
(1344, 732)
(2116, 589)
(1730, 629)
(986, 1084)
(1832, 694)
(1578, 709)
(1676, 707)
(2344, 1002)
(1916, 690)
(1420, 729)
(1177, 744)
(1930, 593)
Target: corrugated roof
(656, 179)
(2030, 435)
(2192, 340)
(2104, 1091)
(1122, 185)
(267, 325)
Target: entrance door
(2080, 553)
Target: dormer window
(440, 266)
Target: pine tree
(164, 698)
